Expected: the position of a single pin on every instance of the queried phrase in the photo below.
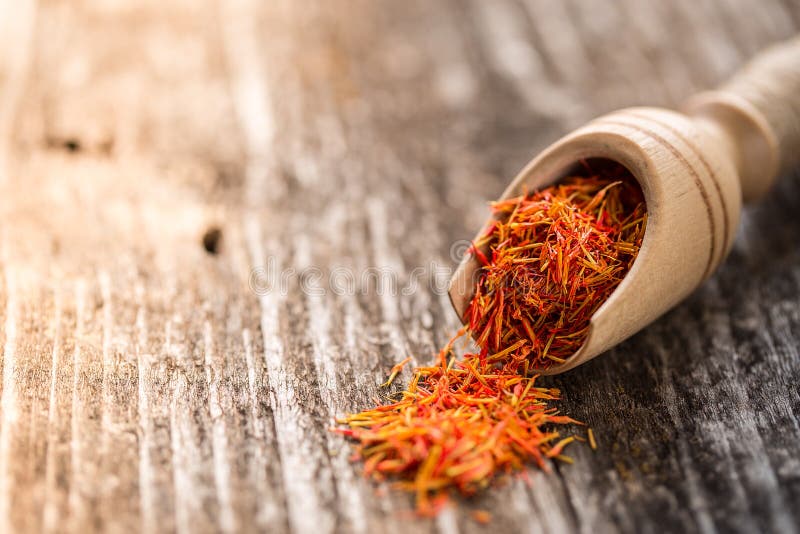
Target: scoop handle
(759, 111)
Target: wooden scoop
(694, 169)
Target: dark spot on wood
(228, 176)
(212, 240)
(106, 147)
(71, 145)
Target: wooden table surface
(149, 384)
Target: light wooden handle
(760, 110)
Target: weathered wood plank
(151, 385)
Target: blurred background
(154, 154)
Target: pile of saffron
(549, 261)
(555, 257)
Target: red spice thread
(554, 256)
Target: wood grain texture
(147, 386)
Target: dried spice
(458, 424)
(553, 257)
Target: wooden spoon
(695, 169)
